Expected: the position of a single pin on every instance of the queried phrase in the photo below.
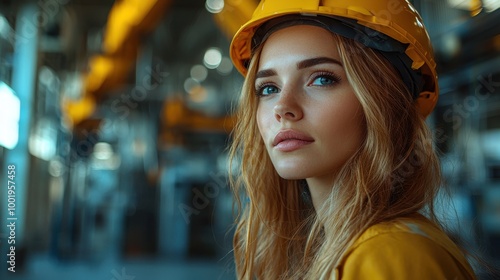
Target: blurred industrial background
(116, 115)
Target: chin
(294, 169)
(292, 174)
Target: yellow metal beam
(77, 111)
(129, 19)
(128, 22)
(177, 116)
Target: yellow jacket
(410, 248)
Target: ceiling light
(214, 6)
(212, 58)
(199, 73)
(225, 66)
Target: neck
(320, 188)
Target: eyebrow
(317, 60)
(300, 65)
(265, 73)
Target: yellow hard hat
(393, 27)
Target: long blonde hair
(395, 173)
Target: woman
(336, 160)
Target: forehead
(295, 43)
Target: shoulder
(407, 248)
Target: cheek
(346, 125)
(262, 120)
(354, 128)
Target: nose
(288, 106)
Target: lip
(291, 140)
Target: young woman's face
(308, 115)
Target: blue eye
(325, 80)
(267, 90)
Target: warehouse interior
(116, 116)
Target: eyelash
(260, 87)
(327, 74)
